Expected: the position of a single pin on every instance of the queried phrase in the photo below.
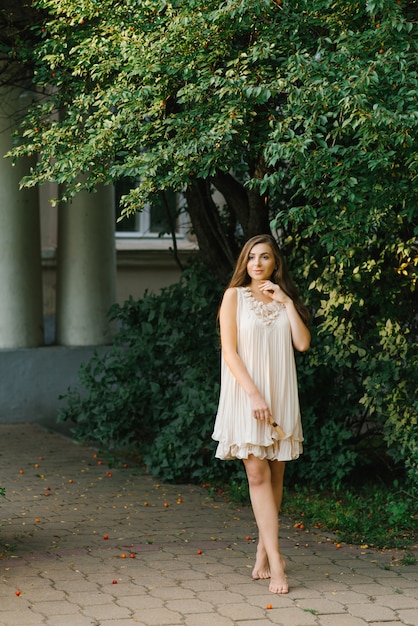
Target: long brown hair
(280, 276)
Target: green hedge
(156, 390)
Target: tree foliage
(304, 116)
(178, 95)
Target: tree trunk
(251, 209)
(217, 251)
(258, 219)
(259, 214)
(216, 236)
(235, 196)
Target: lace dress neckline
(267, 312)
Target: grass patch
(377, 515)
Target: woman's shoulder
(230, 294)
(231, 298)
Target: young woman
(261, 321)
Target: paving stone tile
(398, 601)
(320, 606)
(130, 589)
(253, 588)
(191, 574)
(406, 583)
(45, 594)
(188, 606)
(299, 591)
(220, 597)
(73, 586)
(121, 622)
(343, 620)
(64, 620)
(25, 582)
(278, 601)
(291, 616)
(172, 593)
(86, 598)
(62, 571)
(160, 617)
(372, 589)
(212, 619)
(259, 622)
(63, 563)
(386, 575)
(140, 603)
(408, 616)
(346, 597)
(203, 585)
(331, 584)
(52, 608)
(396, 623)
(371, 612)
(21, 618)
(10, 602)
(238, 612)
(106, 611)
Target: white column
(21, 317)
(86, 269)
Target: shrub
(359, 380)
(157, 387)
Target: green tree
(179, 95)
(304, 117)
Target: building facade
(61, 268)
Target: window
(154, 220)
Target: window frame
(143, 222)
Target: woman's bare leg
(261, 567)
(261, 477)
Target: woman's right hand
(259, 407)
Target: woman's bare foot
(261, 568)
(278, 582)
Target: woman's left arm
(301, 337)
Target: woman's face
(261, 262)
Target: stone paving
(83, 544)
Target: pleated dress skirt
(265, 346)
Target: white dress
(265, 346)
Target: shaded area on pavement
(85, 544)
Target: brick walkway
(188, 557)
